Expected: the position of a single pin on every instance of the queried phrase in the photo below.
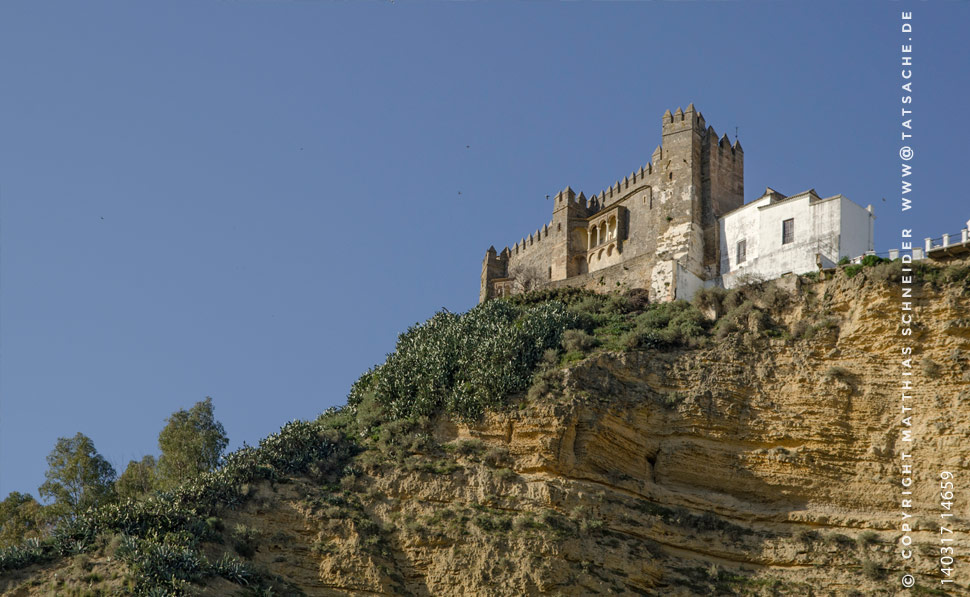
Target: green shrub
(842, 541)
(638, 299)
(572, 357)
(956, 272)
(839, 373)
(497, 456)
(887, 271)
(710, 299)
(556, 522)
(725, 327)
(233, 570)
(469, 447)
(31, 551)
(852, 270)
(677, 323)
(543, 383)
(550, 358)
(504, 474)
(245, 540)
(805, 330)
(872, 570)
(871, 260)
(463, 364)
(158, 565)
(775, 298)
(577, 341)
(490, 521)
(744, 317)
(937, 275)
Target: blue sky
(250, 200)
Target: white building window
(742, 251)
(788, 231)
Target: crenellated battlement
(530, 241)
(692, 120)
(620, 188)
(682, 120)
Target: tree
(138, 479)
(191, 443)
(21, 516)
(77, 476)
(525, 278)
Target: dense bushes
(462, 364)
(162, 532)
(867, 261)
(628, 321)
(167, 566)
(667, 324)
(957, 273)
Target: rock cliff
(762, 462)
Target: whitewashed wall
(833, 227)
(857, 230)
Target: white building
(776, 235)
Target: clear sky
(250, 200)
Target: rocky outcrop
(767, 462)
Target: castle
(679, 224)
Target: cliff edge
(755, 453)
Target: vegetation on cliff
(349, 473)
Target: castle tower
(494, 268)
(704, 177)
(569, 235)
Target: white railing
(944, 241)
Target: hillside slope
(761, 458)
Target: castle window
(742, 251)
(550, 272)
(788, 231)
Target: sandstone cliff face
(760, 464)
(754, 466)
